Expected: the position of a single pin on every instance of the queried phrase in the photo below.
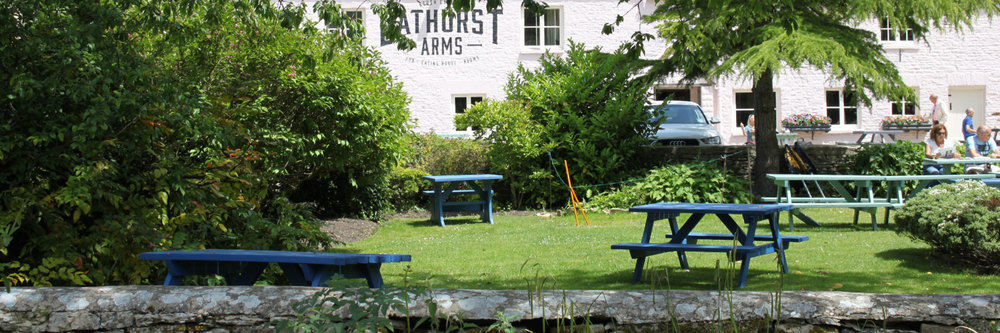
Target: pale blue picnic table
(446, 185)
(682, 240)
(948, 162)
(242, 267)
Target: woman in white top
(938, 146)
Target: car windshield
(678, 114)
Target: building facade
(464, 59)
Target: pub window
(544, 29)
(903, 108)
(464, 102)
(744, 106)
(889, 33)
(841, 107)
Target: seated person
(980, 145)
(938, 146)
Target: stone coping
(257, 307)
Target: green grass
(511, 253)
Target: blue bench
(242, 267)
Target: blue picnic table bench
(682, 240)
(242, 267)
(447, 185)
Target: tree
(759, 40)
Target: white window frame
(777, 107)
(888, 33)
(468, 103)
(736, 122)
(543, 30)
(348, 33)
(841, 109)
(904, 104)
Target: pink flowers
(904, 120)
(292, 74)
(806, 120)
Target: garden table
(242, 267)
(948, 162)
(446, 185)
(881, 134)
(682, 240)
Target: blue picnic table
(242, 267)
(447, 185)
(682, 240)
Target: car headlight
(712, 141)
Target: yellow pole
(574, 199)
(571, 201)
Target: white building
(460, 60)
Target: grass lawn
(518, 250)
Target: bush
(703, 183)
(405, 186)
(437, 155)
(960, 219)
(587, 108)
(901, 158)
(128, 128)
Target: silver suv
(683, 123)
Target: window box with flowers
(807, 122)
(906, 123)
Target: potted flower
(807, 122)
(904, 122)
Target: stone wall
(219, 309)
(829, 159)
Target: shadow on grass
(448, 220)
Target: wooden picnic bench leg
(874, 214)
(296, 274)
(779, 243)
(681, 255)
(437, 205)
(640, 260)
(485, 192)
(745, 265)
(373, 275)
(175, 273)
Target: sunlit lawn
(511, 253)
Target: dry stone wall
(251, 309)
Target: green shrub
(437, 155)
(901, 158)
(586, 107)
(960, 219)
(137, 126)
(703, 183)
(405, 185)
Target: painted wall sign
(447, 39)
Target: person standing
(968, 129)
(938, 113)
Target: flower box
(906, 123)
(807, 122)
(817, 128)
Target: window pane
(354, 14)
(476, 99)
(530, 20)
(551, 17)
(531, 36)
(910, 108)
(460, 105)
(551, 36)
(832, 98)
(742, 116)
(744, 100)
(850, 99)
(850, 116)
(885, 35)
(885, 23)
(834, 115)
(896, 108)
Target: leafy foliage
(901, 158)
(960, 219)
(437, 155)
(340, 308)
(131, 126)
(677, 183)
(586, 108)
(405, 185)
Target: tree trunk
(768, 153)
